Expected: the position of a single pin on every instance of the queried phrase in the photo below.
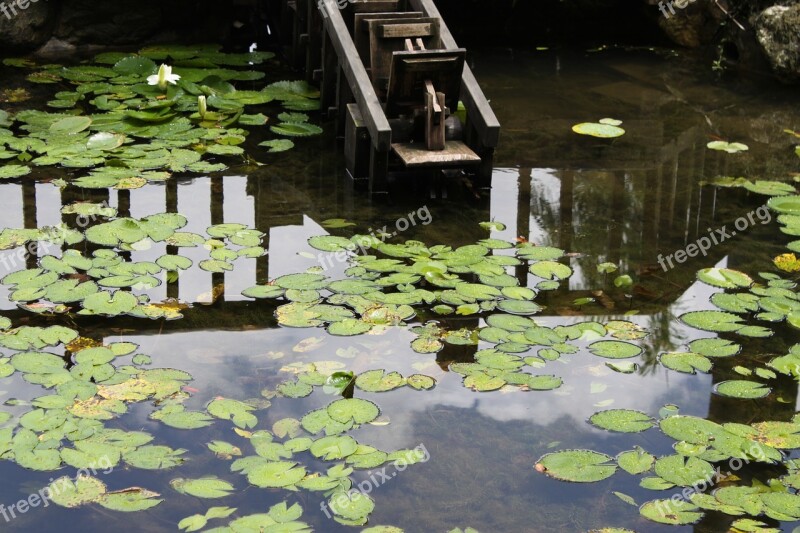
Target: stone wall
(28, 25)
(753, 34)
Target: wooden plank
(372, 112)
(455, 153)
(381, 48)
(480, 112)
(405, 30)
(361, 30)
(352, 7)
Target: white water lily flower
(163, 77)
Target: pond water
(630, 202)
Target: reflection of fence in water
(204, 201)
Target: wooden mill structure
(392, 76)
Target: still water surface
(625, 202)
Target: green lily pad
(334, 447)
(742, 389)
(68, 493)
(724, 278)
(550, 270)
(238, 412)
(276, 474)
(420, 382)
(278, 145)
(355, 409)
(685, 362)
(330, 243)
(712, 321)
(71, 125)
(351, 508)
(714, 347)
(13, 171)
(596, 129)
(615, 349)
(635, 461)
(789, 205)
(731, 148)
(379, 381)
(770, 188)
(683, 471)
(581, 466)
(622, 420)
(130, 500)
(296, 129)
(206, 487)
(676, 513)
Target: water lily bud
(202, 105)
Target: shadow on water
(626, 201)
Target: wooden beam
(378, 125)
(478, 108)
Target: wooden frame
(361, 30)
(410, 70)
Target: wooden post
(378, 171)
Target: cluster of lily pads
(66, 427)
(701, 444)
(134, 122)
(96, 282)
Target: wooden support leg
(330, 75)
(344, 96)
(378, 171)
(484, 173)
(314, 47)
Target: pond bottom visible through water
(583, 202)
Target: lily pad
(622, 420)
(724, 278)
(206, 487)
(581, 466)
(355, 409)
(712, 320)
(731, 148)
(742, 389)
(596, 129)
(676, 513)
(615, 349)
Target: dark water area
(627, 201)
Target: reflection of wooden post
(124, 203)
(171, 201)
(652, 198)
(260, 209)
(29, 214)
(523, 217)
(617, 217)
(217, 217)
(565, 201)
